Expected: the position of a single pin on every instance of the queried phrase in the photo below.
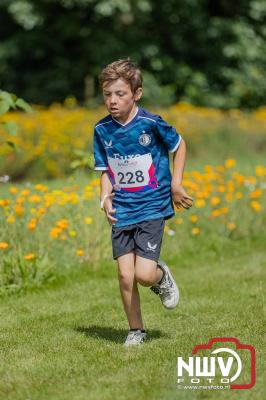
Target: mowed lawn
(64, 341)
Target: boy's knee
(125, 278)
(145, 279)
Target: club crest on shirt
(144, 139)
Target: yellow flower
(10, 219)
(193, 218)
(95, 182)
(35, 199)
(13, 189)
(88, 220)
(25, 192)
(20, 200)
(239, 195)
(215, 200)
(229, 197)
(4, 245)
(80, 252)
(229, 163)
(216, 213)
(195, 231)
(255, 205)
(72, 233)
(219, 211)
(30, 256)
(199, 203)
(260, 170)
(41, 187)
(221, 188)
(179, 221)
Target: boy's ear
(138, 94)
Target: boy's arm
(106, 197)
(179, 195)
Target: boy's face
(119, 99)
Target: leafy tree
(206, 52)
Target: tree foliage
(206, 52)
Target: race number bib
(131, 173)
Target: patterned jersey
(136, 157)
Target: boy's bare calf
(132, 270)
(129, 290)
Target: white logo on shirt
(108, 144)
(144, 139)
(151, 247)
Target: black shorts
(143, 238)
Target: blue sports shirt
(136, 157)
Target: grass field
(65, 341)
(62, 338)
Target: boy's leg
(147, 272)
(129, 290)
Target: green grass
(64, 342)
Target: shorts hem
(123, 253)
(147, 256)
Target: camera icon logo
(231, 365)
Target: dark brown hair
(124, 69)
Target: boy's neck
(127, 118)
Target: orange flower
(4, 245)
(30, 257)
(32, 224)
(18, 209)
(255, 194)
(13, 190)
(229, 163)
(256, 206)
(231, 226)
(4, 203)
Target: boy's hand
(108, 208)
(180, 197)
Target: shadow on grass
(114, 334)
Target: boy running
(131, 148)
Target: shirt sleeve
(168, 134)
(100, 158)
